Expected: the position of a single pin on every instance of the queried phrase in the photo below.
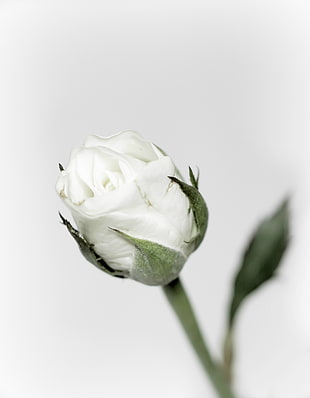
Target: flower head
(135, 216)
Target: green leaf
(87, 249)
(262, 257)
(154, 264)
(199, 208)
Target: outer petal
(143, 223)
(112, 248)
(126, 142)
(167, 199)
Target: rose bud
(135, 216)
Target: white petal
(167, 198)
(116, 250)
(126, 142)
(125, 197)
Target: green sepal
(262, 257)
(87, 249)
(154, 264)
(199, 208)
(194, 180)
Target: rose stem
(180, 303)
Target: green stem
(228, 355)
(180, 303)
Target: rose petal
(126, 142)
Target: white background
(223, 85)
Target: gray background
(223, 85)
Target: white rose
(129, 209)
